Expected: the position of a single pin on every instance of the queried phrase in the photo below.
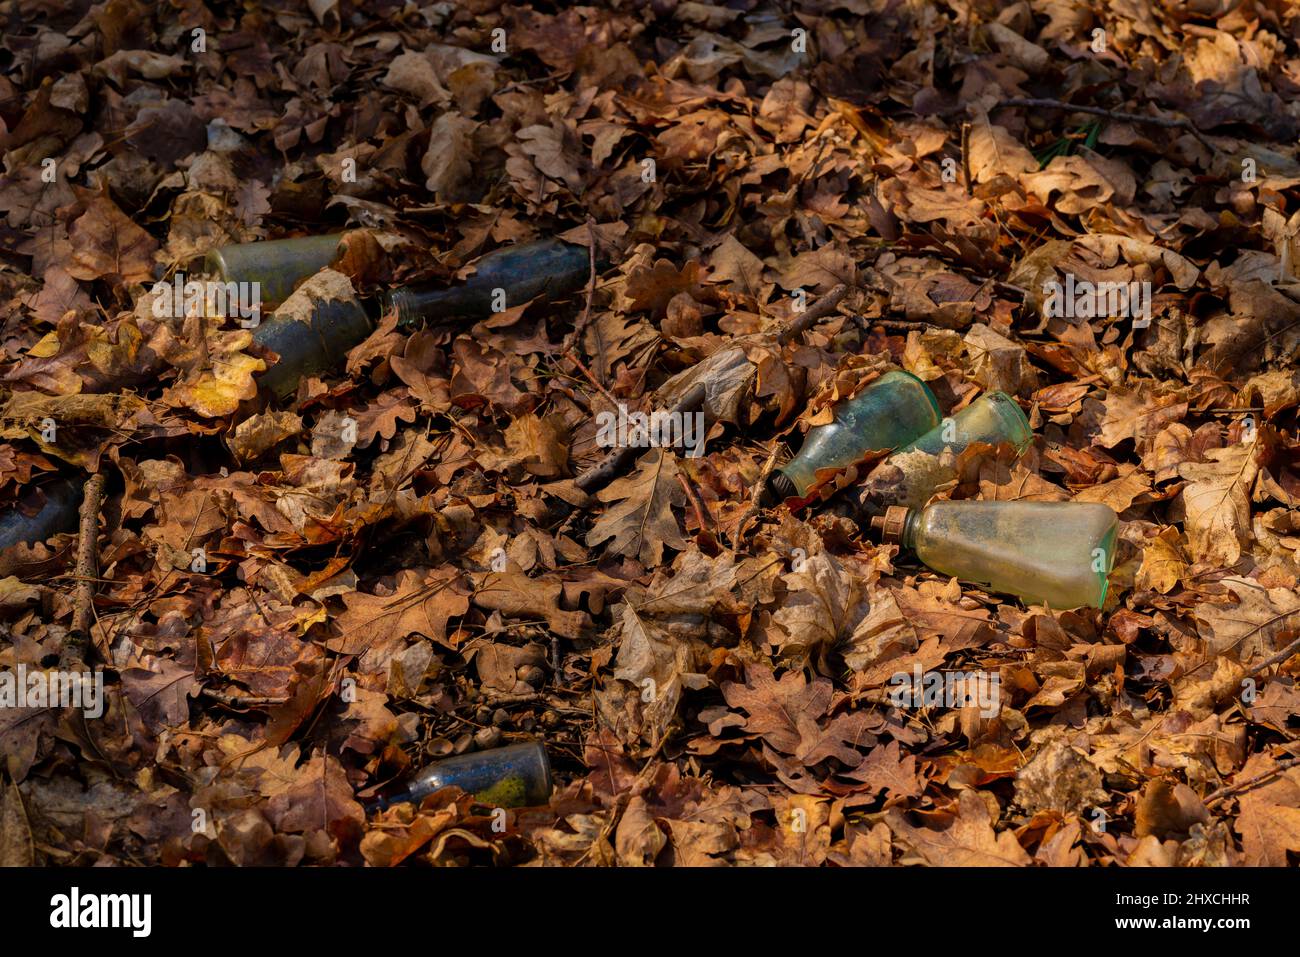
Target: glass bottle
(910, 476)
(57, 514)
(503, 278)
(276, 265)
(891, 412)
(1047, 553)
(517, 775)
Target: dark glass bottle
(517, 775)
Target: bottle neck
(910, 526)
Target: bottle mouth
(892, 526)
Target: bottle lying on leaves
(910, 476)
(891, 412)
(518, 775)
(1052, 553)
(503, 278)
(57, 513)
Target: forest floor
(299, 602)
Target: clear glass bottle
(910, 476)
(894, 410)
(1046, 553)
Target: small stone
(501, 717)
(487, 738)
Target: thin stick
(1166, 122)
(754, 497)
(822, 308)
(1276, 659)
(242, 701)
(695, 503)
(600, 474)
(1230, 789)
(83, 602)
(965, 158)
(574, 337)
(902, 325)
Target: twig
(600, 474)
(1167, 122)
(754, 497)
(500, 701)
(1276, 659)
(242, 701)
(1230, 789)
(83, 602)
(965, 158)
(694, 500)
(822, 308)
(902, 325)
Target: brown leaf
(640, 519)
(1216, 501)
(106, 243)
(1267, 832)
(1260, 622)
(421, 603)
(1163, 563)
(448, 163)
(1168, 809)
(16, 847)
(637, 839)
(162, 697)
(969, 841)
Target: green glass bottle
(1046, 553)
(894, 410)
(910, 476)
(275, 265)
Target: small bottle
(518, 775)
(1046, 553)
(891, 412)
(910, 476)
